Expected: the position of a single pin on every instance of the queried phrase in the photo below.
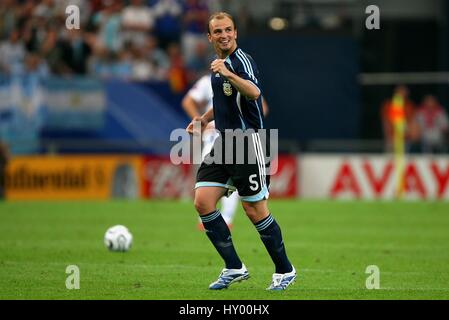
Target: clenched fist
(218, 65)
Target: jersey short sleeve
(245, 67)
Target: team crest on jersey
(227, 88)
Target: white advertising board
(372, 177)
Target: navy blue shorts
(244, 169)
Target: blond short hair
(220, 15)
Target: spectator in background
(35, 66)
(101, 63)
(199, 62)
(12, 52)
(195, 17)
(433, 123)
(52, 52)
(158, 57)
(25, 12)
(108, 22)
(4, 158)
(9, 12)
(123, 68)
(75, 51)
(45, 9)
(411, 128)
(142, 68)
(168, 22)
(137, 22)
(177, 74)
(31, 35)
(96, 5)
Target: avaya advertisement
(373, 177)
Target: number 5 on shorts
(254, 184)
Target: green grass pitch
(331, 243)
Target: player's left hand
(218, 65)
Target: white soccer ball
(118, 238)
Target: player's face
(222, 35)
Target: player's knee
(203, 206)
(250, 210)
(255, 210)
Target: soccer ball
(118, 238)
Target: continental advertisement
(84, 177)
(73, 177)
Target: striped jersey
(231, 109)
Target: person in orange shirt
(411, 128)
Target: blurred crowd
(134, 39)
(425, 125)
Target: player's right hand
(196, 126)
(219, 66)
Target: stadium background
(86, 115)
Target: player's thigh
(206, 198)
(212, 182)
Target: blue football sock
(271, 236)
(218, 232)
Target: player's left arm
(245, 87)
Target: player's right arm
(244, 86)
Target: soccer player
(236, 105)
(197, 101)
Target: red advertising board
(284, 183)
(162, 179)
